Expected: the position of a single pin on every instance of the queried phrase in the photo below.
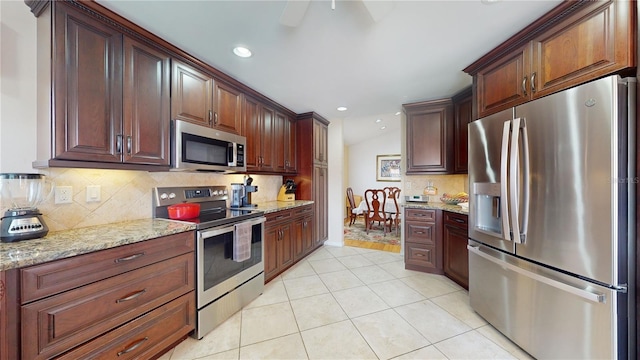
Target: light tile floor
(353, 303)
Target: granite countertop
(273, 206)
(68, 243)
(436, 206)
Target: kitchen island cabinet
(574, 43)
(423, 240)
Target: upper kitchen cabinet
(284, 144)
(462, 116)
(107, 104)
(429, 137)
(574, 43)
(198, 98)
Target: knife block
(283, 196)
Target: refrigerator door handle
(527, 180)
(504, 201)
(594, 297)
(513, 181)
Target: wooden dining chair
(354, 209)
(393, 194)
(376, 200)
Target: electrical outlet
(63, 195)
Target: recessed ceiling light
(378, 120)
(242, 51)
(342, 108)
(398, 113)
(382, 128)
(489, 2)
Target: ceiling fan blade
(294, 12)
(378, 9)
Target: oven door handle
(222, 230)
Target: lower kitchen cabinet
(132, 301)
(456, 258)
(423, 240)
(288, 238)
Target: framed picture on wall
(388, 167)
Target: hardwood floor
(372, 245)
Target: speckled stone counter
(436, 206)
(273, 206)
(64, 244)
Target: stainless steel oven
(223, 285)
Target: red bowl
(183, 211)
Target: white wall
(336, 183)
(17, 87)
(362, 162)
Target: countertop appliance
(223, 285)
(241, 193)
(287, 191)
(552, 221)
(417, 198)
(199, 148)
(23, 193)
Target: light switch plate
(93, 193)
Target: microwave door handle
(504, 201)
(514, 188)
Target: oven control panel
(164, 196)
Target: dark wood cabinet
(284, 144)
(200, 99)
(312, 179)
(146, 104)
(124, 294)
(574, 43)
(303, 232)
(278, 247)
(259, 126)
(87, 87)
(429, 137)
(109, 92)
(291, 142)
(463, 114)
(456, 258)
(423, 240)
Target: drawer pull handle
(134, 346)
(460, 221)
(134, 256)
(132, 296)
(421, 255)
(280, 217)
(419, 232)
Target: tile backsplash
(126, 195)
(450, 184)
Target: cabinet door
(429, 137)
(271, 243)
(146, 104)
(253, 132)
(267, 152)
(191, 95)
(462, 118)
(285, 246)
(87, 87)
(456, 258)
(505, 83)
(319, 143)
(280, 144)
(320, 185)
(593, 43)
(290, 149)
(302, 237)
(228, 111)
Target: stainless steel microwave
(199, 148)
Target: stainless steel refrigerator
(552, 221)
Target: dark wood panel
(87, 87)
(10, 314)
(456, 259)
(463, 115)
(252, 126)
(429, 137)
(280, 143)
(228, 115)
(146, 116)
(191, 95)
(267, 157)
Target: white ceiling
(340, 57)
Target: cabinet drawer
(144, 337)
(278, 216)
(420, 215)
(303, 210)
(457, 220)
(64, 321)
(421, 255)
(420, 232)
(55, 277)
